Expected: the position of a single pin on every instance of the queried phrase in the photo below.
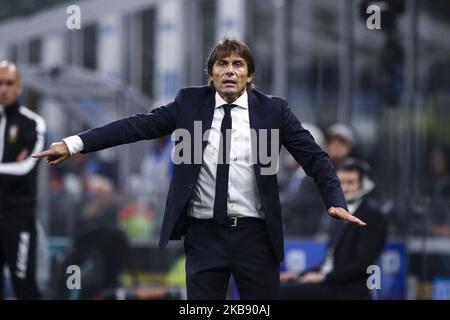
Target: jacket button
(190, 186)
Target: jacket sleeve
(33, 141)
(316, 162)
(157, 123)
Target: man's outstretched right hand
(57, 153)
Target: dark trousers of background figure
(18, 241)
(214, 252)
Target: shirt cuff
(74, 143)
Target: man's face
(338, 149)
(350, 180)
(10, 86)
(230, 77)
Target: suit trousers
(215, 252)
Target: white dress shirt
(243, 197)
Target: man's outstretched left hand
(341, 213)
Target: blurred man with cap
(350, 250)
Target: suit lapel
(256, 123)
(255, 112)
(206, 115)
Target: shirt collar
(242, 101)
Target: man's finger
(56, 161)
(343, 214)
(42, 154)
(355, 220)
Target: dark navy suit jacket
(197, 104)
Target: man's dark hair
(227, 47)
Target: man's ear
(249, 78)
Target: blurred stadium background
(103, 211)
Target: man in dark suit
(229, 211)
(343, 273)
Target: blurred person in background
(155, 175)
(73, 188)
(301, 203)
(101, 204)
(439, 166)
(340, 142)
(99, 247)
(350, 250)
(22, 132)
(439, 188)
